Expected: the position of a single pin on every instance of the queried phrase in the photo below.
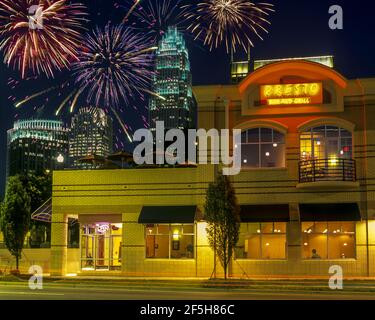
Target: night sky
(299, 28)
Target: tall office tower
(239, 69)
(35, 146)
(173, 81)
(91, 134)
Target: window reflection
(263, 148)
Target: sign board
(292, 94)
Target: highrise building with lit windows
(35, 146)
(91, 135)
(173, 82)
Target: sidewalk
(195, 279)
(311, 285)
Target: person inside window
(315, 255)
(190, 250)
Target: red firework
(40, 36)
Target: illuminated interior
(328, 240)
(326, 142)
(170, 241)
(262, 241)
(101, 246)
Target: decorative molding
(261, 123)
(326, 121)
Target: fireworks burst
(114, 64)
(156, 16)
(233, 22)
(40, 36)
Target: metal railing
(327, 170)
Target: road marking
(30, 292)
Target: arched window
(263, 148)
(326, 142)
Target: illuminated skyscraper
(35, 146)
(91, 134)
(173, 81)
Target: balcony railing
(327, 170)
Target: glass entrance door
(102, 249)
(87, 252)
(101, 246)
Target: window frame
(327, 241)
(259, 224)
(89, 231)
(312, 131)
(170, 239)
(260, 146)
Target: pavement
(83, 288)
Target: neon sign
(102, 228)
(292, 94)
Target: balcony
(328, 173)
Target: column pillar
(294, 233)
(59, 244)
(123, 248)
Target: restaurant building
(306, 188)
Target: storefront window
(263, 148)
(328, 240)
(262, 241)
(164, 241)
(73, 233)
(326, 142)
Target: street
(55, 291)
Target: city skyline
(284, 40)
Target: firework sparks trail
(115, 64)
(134, 6)
(232, 22)
(123, 126)
(35, 95)
(156, 16)
(48, 46)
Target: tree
(15, 217)
(39, 187)
(223, 221)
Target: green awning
(330, 212)
(265, 213)
(167, 214)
